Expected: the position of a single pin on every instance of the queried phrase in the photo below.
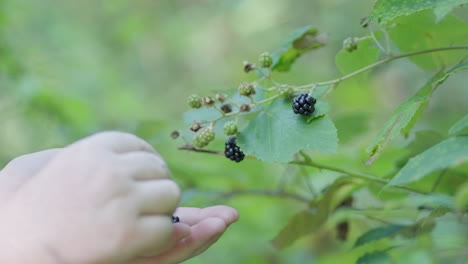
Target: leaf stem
(308, 162)
(378, 63)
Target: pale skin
(106, 199)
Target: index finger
(117, 142)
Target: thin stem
(367, 177)
(378, 63)
(194, 149)
(376, 41)
(267, 100)
(264, 192)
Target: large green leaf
(276, 134)
(404, 117)
(420, 31)
(387, 10)
(379, 257)
(459, 126)
(449, 152)
(312, 219)
(378, 233)
(299, 42)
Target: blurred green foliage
(71, 68)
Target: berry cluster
(304, 104)
(232, 151)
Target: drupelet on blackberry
(232, 151)
(304, 104)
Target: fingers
(152, 233)
(117, 142)
(143, 165)
(192, 216)
(202, 236)
(180, 232)
(157, 197)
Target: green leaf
(420, 31)
(299, 42)
(378, 233)
(276, 133)
(423, 140)
(449, 152)
(403, 118)
(312, 219)
(387, 10)
(461, 198)
(379, 257)
(366, 54)
(459, 126)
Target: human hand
(198, 230)
(104, 199)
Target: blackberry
(194, 101)
(175, 219)
(303, 104)
(265, 60)
(204, 137)
(230, 128)
(350, 44)
(246, 89)
(232, 151)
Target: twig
(192, 148)
(263, 192)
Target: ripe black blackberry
(304, 104)
(232, 151)
(175, 219)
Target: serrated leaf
(387, 10)
(299, 42)
(420, 31)
(378, 233)
(312, 219)
(403, 118)
(276, 133)
(459, 126)
(365, 55)
(379, 257)
(449, 152)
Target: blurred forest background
(72, 68)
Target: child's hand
(105, 199)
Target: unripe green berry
(285, 90)
(350, 44)
(207, 101)
(194, 101)
(246, 89)
(204, 137)
(265, 60)
(230, 128)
